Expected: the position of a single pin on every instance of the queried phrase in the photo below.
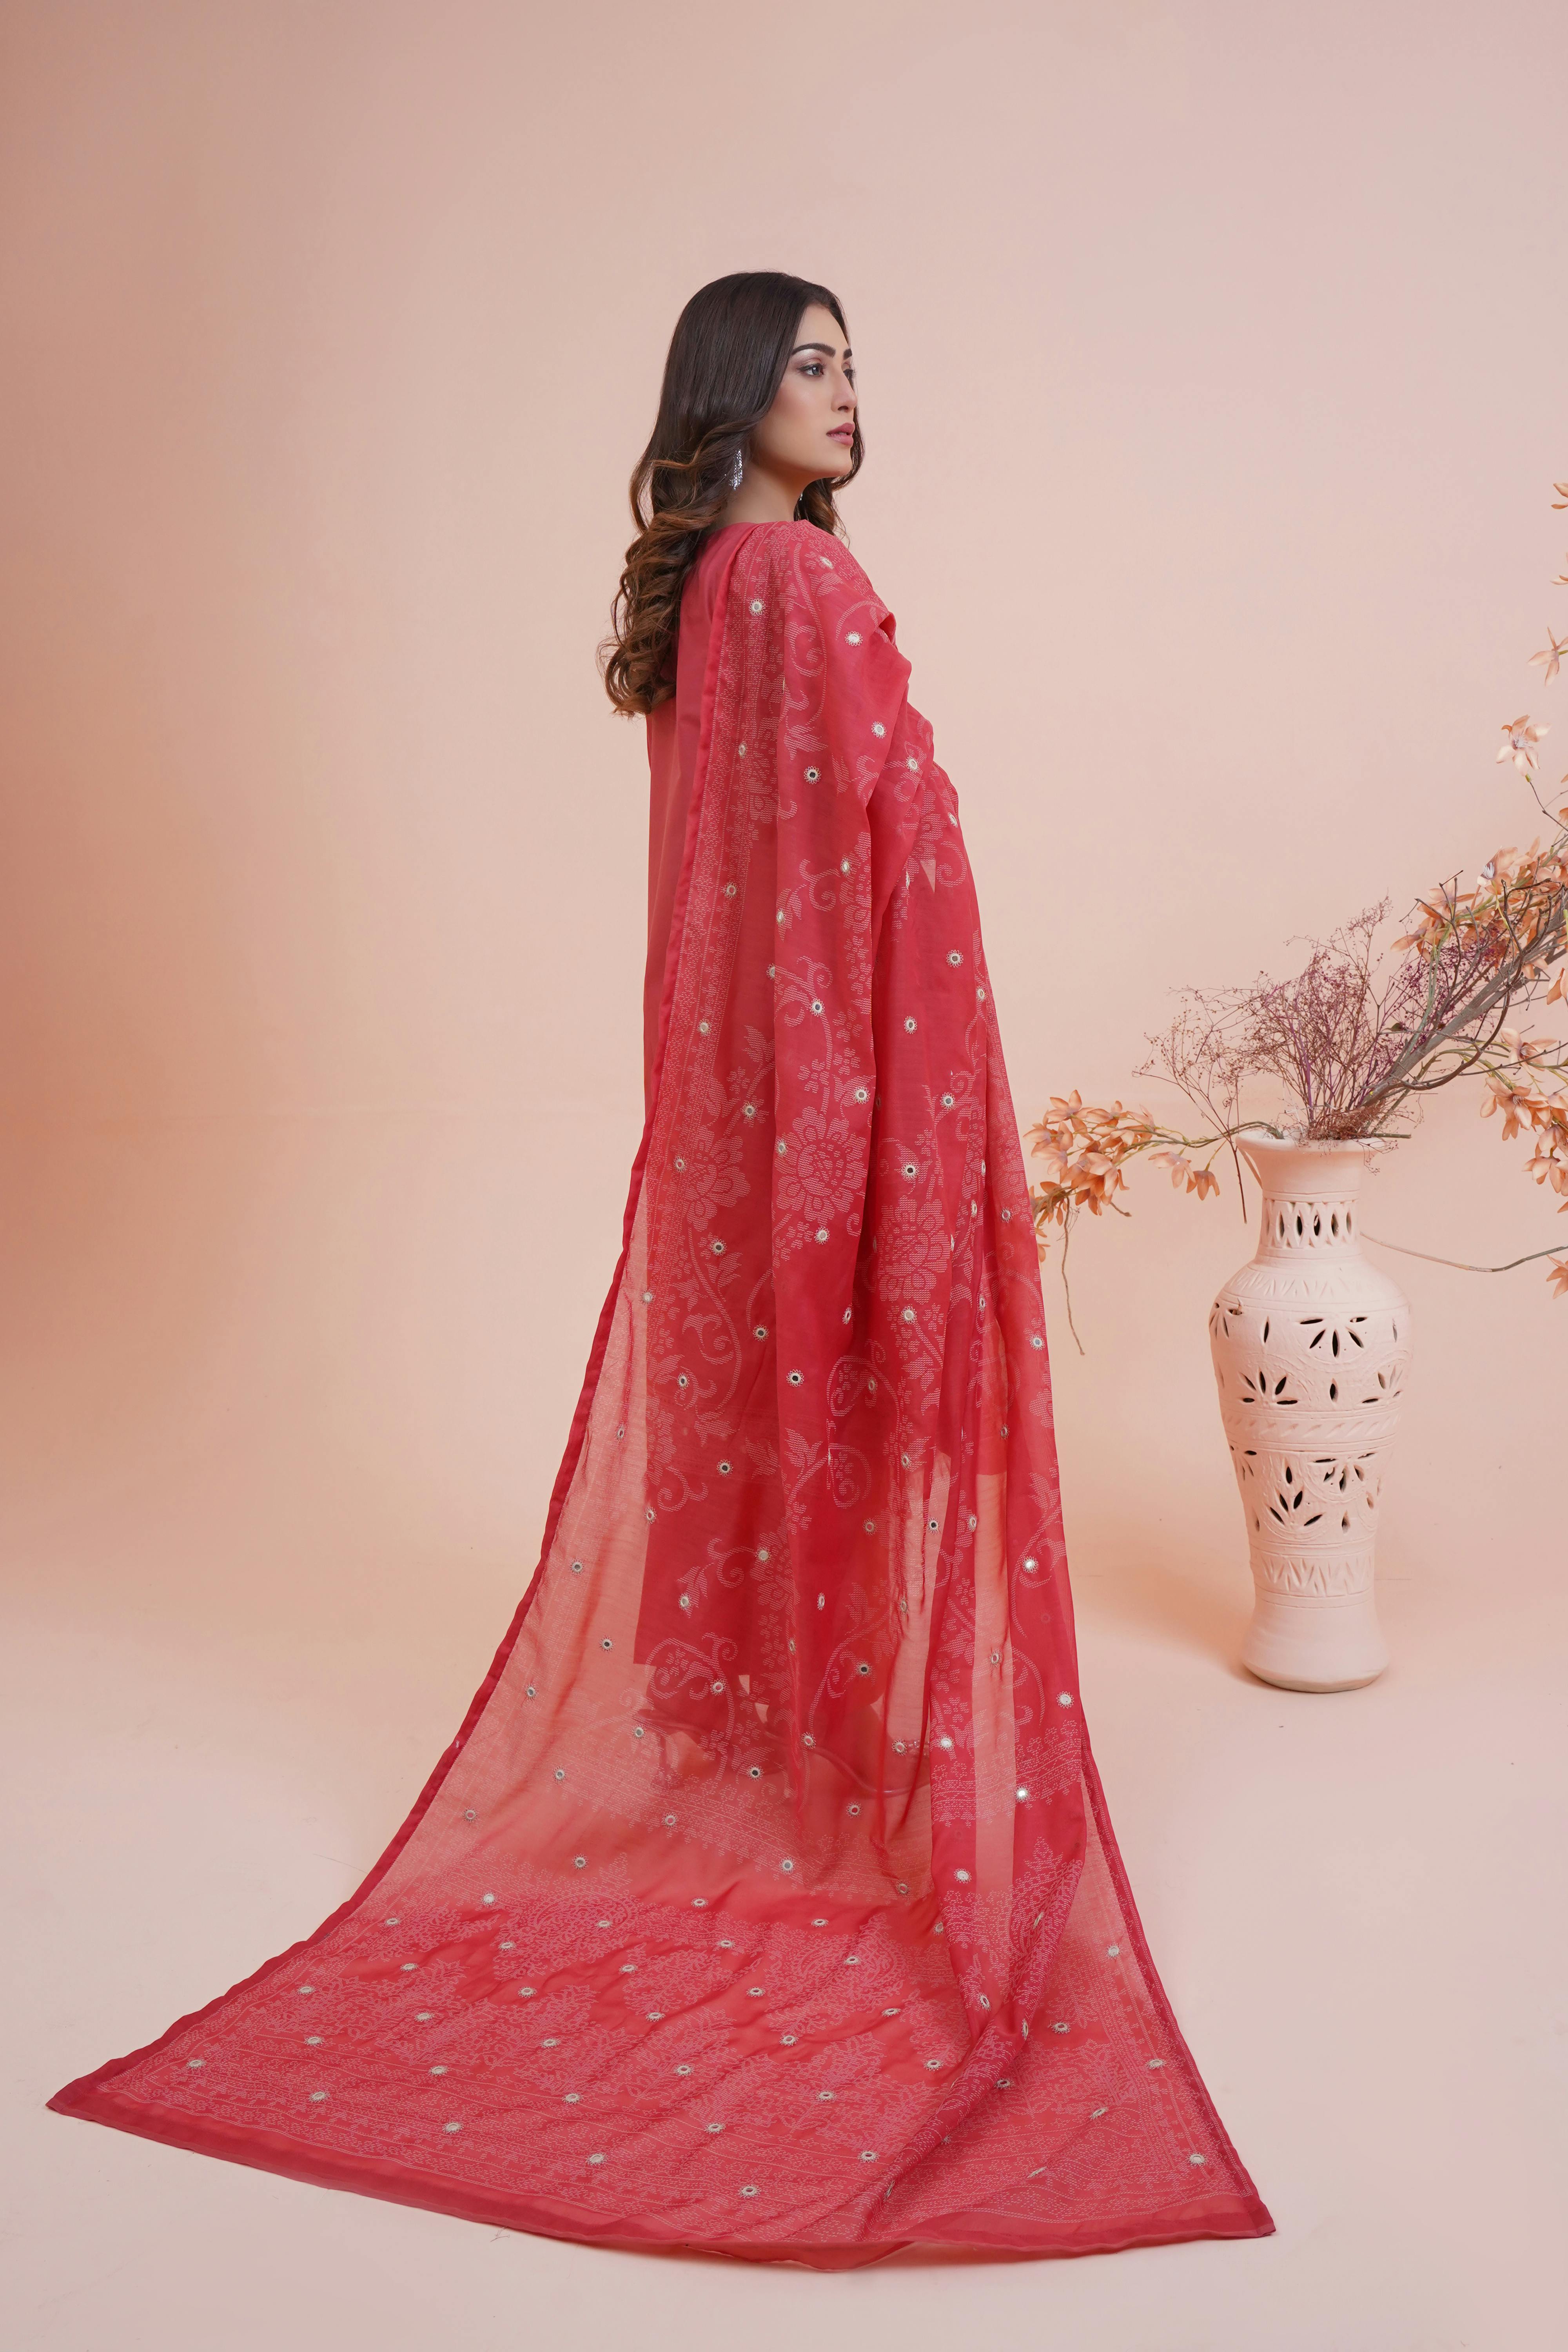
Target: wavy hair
(727, 359)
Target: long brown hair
(727, 358)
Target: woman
(766, 1900)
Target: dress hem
(978, 2233)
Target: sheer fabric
(766, 1900)
(673, 742)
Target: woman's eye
(812, 367)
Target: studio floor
(244, 1620)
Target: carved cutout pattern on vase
(1310, 1345)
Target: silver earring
(737, 471)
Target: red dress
(766, 1900)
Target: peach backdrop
(1212, 360)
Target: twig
(1462, 1265)
(1066, 1294)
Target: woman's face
(807, 433)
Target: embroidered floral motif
(712, 1178)
(912, 1249)
(823, 1173)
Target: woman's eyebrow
(827, 349)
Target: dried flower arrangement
(1359, 1035)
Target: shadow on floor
(1141, 1578)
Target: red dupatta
(766, 1900)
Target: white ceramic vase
(1311, 1344)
